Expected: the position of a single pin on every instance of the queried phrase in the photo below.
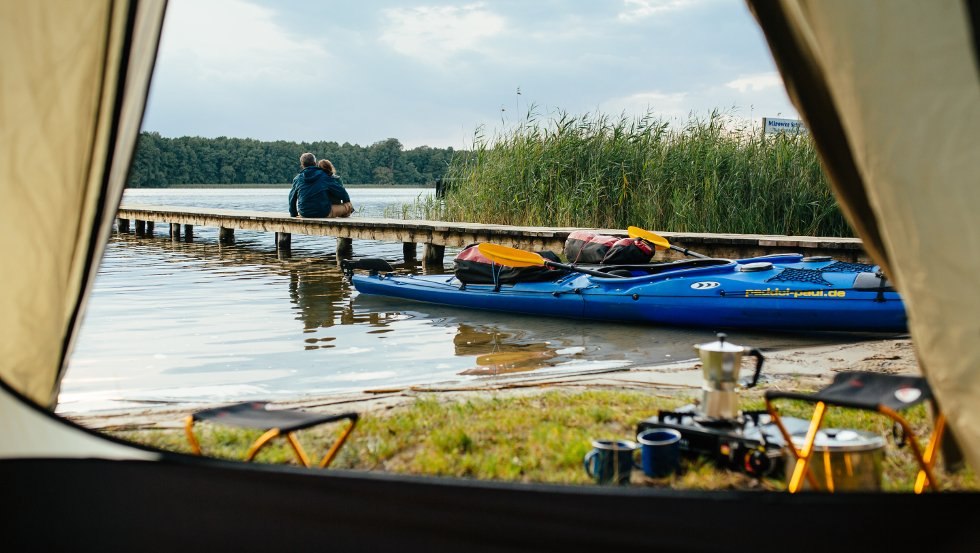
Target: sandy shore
(797, 368)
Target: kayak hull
(732, 294)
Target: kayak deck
(774, 292)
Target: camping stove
(750, 442)
(747, 441)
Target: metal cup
(610, 461)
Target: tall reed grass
(708, 175)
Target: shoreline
(794, 368)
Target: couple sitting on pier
(318, 191)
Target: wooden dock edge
(437, 235)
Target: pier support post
(149, 228)
(140, 227)
(175, 231)
(284, 241)
(188, 233)
(433, 254)
(226, 235)
(123, 225)
(345, 246)
(408, 251)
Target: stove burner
(712, 422)
(749, 443)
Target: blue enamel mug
(610, 461)
(660, 451)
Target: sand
(792, 369)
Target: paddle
(512, 257)
(661, 242)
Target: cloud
(435, 34)
(756, 82)
(660, 104)
(641, 9)
(246, 67)
(235, 41)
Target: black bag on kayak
(583, 246)
(629, 251)
(472, 267)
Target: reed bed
(593, 170)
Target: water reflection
(322, 297)
(320, 294)
(497, 352)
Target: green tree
(160, 161)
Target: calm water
(176, 322)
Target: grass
(710, 175)
(530, 438)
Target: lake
(184, 323)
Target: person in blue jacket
(315, 193)
(338, 194)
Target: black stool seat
(275, 422)
(256, 414)
(867, 390)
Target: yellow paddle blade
(656, 239)
(510, 257)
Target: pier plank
(437, 235)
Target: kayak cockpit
(647, 269)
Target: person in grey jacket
(315, 193)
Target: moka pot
(720, 363)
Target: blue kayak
(785, 292)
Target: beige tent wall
(73, 84)
(892, 92)
(29, 431)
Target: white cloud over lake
(759, 81)
(435, 34)
(634, 10)
(248, 43)
(433, 72)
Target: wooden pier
(437, 235)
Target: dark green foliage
(160, 161)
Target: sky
(433, 73)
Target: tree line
(160, 161)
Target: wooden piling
(149, 227)
(284, 241)
(226, 235)
(345, 246)
(123, 225)
(433, 254)
(408, 251)
(175, 231)
(188, 233)
(140, 227)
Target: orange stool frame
(884, 393)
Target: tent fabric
(28, 431)
(891, 94)
(208, 505)
(75, 78)
(73, 86)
